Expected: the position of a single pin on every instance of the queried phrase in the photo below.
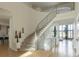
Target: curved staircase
(30, 42)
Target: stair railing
(43, 23)
(41, 29)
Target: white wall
(21, 16)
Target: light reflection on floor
(65, 48)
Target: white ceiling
(43, 4)
(47, 5)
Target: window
(70, 30)
(61, 31)
(70, 27)
(66, 30)
(60, 28)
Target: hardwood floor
(64, 50)
(38, 53)
(6, 52)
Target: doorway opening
(66, 36)
(4, 29)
